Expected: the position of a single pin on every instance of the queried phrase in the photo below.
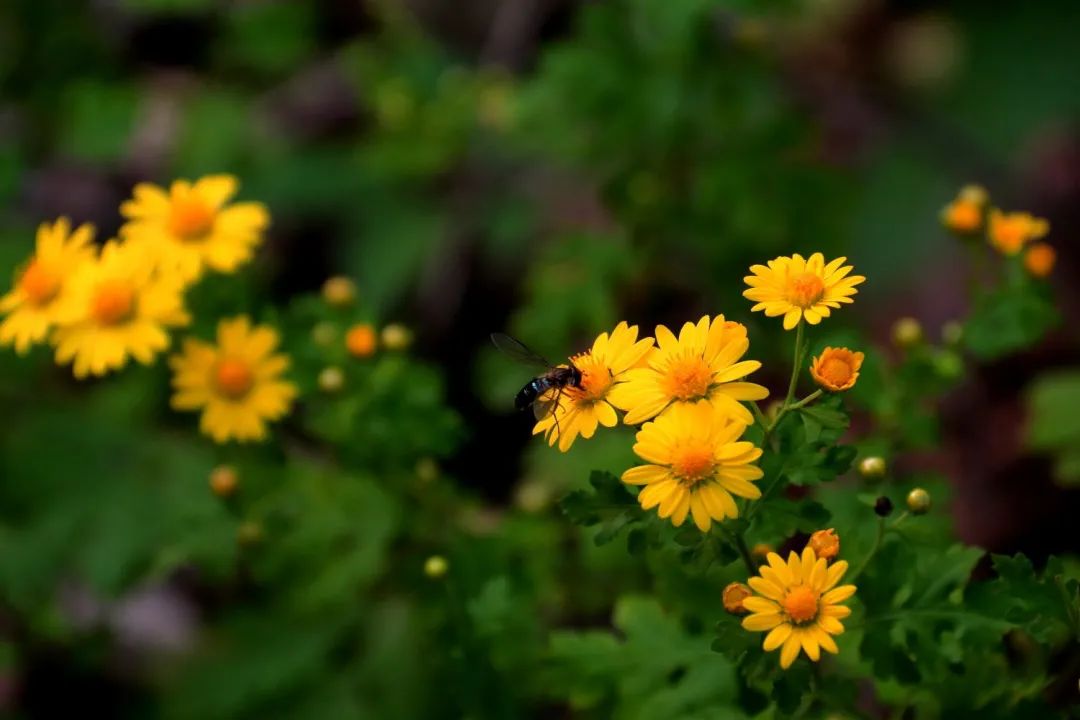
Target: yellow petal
(762, 621)
(776, 637)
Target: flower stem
(739, 543)
(873, 551)
(800, 336)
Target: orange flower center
(113, 302)
(191, 218)
(694, 463)
(233, 378)
(806, 289)
(38, 284)
(687, 378)
(801, 604)
(836, 370)
(595, 376)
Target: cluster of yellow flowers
(1009, 233)
(100, 307)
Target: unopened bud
(331, 380)
(761, 550)
(223, 480)
(396, 336)
(734, 594)
(825, 543)
(339, 291)
(249, 533)
(883, 506)
(361, 340)
(435, 567)
(907, 332)
(918, 501)
(324, 334)
(873, 467)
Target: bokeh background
(539, 167)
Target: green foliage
(1052, 403)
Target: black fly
(536, 393)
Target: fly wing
(545, 405)
(517, 350)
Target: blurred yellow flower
(836, 369)
(237, 383)
(114, 307)
(1039, 259)
(798, 603)
(964, 215)
(31, 304)
(361, 340)
(604, 368)
(191, 227)
(1010, 232)
(697, 463)
(799, 288)
(702, 363)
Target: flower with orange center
(697, 462)
(193, 226)
(361, 340)
(236, 384)
(31, 304)
(702, 363)
(798, 603)
(836, 369)
(1039, 259)
(1010, 232)
(604, 368)
(115, 307)
(964, 215)
(799, 288)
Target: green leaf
(610, 505)
(1052, 401)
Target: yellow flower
(798, 603)
(1039, 259)
(604, 368)
(236, 383)
(31, 304)
(697, 463)
(114, 307)
(964, 215)
(1009, 232)
(798, 288)
(836, 369)
(701, 364)
(192, 226)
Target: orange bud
(734, 594)
(361, 340)
(825, 543)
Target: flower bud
(361, 340)
(918, 501)
(331, 380)
(249, 534)
(396, 336)
(435, 567)
(761, 550)
(339, 291)
(324, 334)
(907, 332)
(883, 506)
(836, 369)
(734, 594)
(1039, 259)
(873, 467)
(825, 543)
(223, 480)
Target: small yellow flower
(1039, 259)
(825, 543)
(114, 307)
(964, 215)
(798, 288)
(237, 383)
(31, 304)
(733, 597)
(697, 463)
(361, 340)
(702, 363)
(798, 603)
(192, 226)
(836, 369)
(1010, 232)
(339, 291)
(604, 369)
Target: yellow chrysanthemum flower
(604, 368)
(964, 215)
(237, 383)
(697, 463)
(113, 307)
(1039, 259)
(701, 364)
(1010, 232)
(31, 305)
(193, 226)
(798, 288)
(798, 603)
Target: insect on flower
(537, 393)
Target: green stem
(873, 551)
(807, 400)
(901, 518)
(800, 336)
(739, 543)
(759, 416)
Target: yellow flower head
(697, 463)
(964, 215)
(1039, 259)
(31, 304)
(798, 288)
(1010, 232)
(701, 364)
(192, 226)
(113, 307)
(237, 383)
(836, 369)
(798, 603)
(604, 368)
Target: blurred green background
(540, 167)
